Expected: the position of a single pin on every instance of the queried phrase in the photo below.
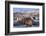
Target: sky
(25, 9)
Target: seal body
(27, 21)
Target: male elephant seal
(27, 21)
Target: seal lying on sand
(27, 21)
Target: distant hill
(28, 14)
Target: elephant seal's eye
(34, 18)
